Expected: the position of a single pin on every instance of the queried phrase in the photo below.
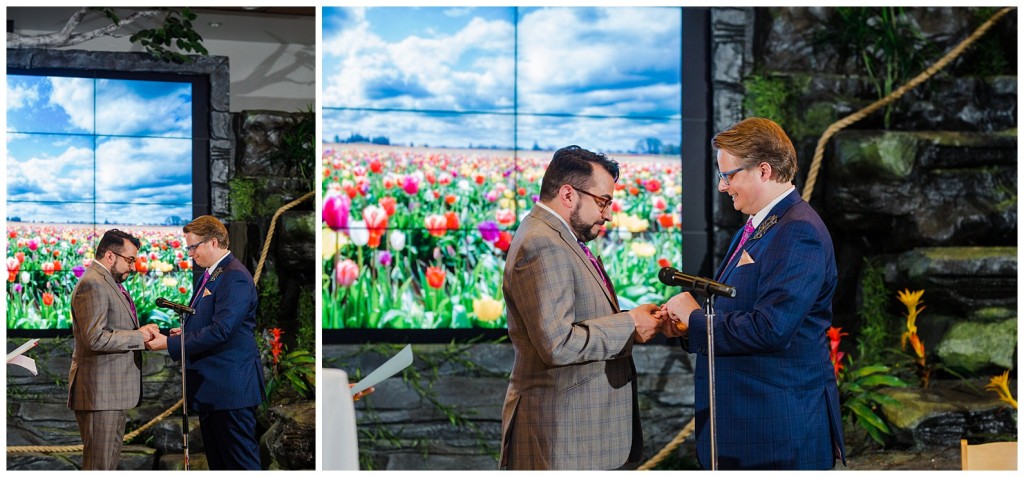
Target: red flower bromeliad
(276, 346)
(834, 337)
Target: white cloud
(74, 96)
(20, 96)
(63, 177)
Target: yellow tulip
(488, 309)
(1000, 385)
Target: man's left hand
(159, 342)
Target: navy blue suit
(224, 375)
(777, 404)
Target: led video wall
(88, 154)
(437, 127)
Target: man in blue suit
(777, 404)
(224, 375)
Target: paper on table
(392, 366)
(16, 357)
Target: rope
(671, 446)
(819, 150)
(270, 232)
(132, 435)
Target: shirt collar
(759, 217)
(560, 219)
(221, 259)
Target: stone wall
(446, 412)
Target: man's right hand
(647, 325)
(149, 331)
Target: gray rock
(290, 441)
(940, 416)
(973, 347)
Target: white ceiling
(281, 25)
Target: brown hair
(757, 140)
(208, 226)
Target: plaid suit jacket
(777, 404)
(222, 369)
(106, 366)
(571, 399)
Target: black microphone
(178, 307)
(703, 286)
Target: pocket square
(206, 292)
(745, 259)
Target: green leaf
(882, 380)
(867, 415)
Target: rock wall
(445, 414)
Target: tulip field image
(85, 155)
(416, 238)
(437, 126)
(45, 261)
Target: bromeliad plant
(858, 389)
(912, 300)
(1000, 385)
(294, 370)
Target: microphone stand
(709, 313)
(184, 396)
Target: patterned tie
(600, 271)
(748, 230)
(199, 291)
(131, 303)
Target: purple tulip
(79, 271)
(18, 288)
(488, 231)
(335, 213)
(385, 257)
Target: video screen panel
(85, 155)
(437, 126)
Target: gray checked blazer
(571, 399)
(106, 367)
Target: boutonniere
(767, 224)
(216, 273)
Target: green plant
(987, 57)
(176, 31)
(858, 393)
(296, 149)
(767, 97)
(875, 343)
(292, 374)
(249, 199)
(884, 42)
(779, 99)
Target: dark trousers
(229, 439)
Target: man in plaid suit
(777, 405)
(571, 400)
(106, 366)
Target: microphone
(178, 307)
(703, 286)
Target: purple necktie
(594, 262)
(199, 291)
(748, 230)
(131, 303)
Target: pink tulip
(411, 185)
(437, 225)
(346, 272)
(335, 212)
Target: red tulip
(48, 298)
(653, 186)
(56, 265)
(451, 220)
(663, 262)
(435, 277)
(376, 166)
(504, 241)
(20, 256)
(479, 179)
(388, 203)
(12, 268)
(437, 225)
(667, 221)
(450, 199)
(633, 191)
(48, 268)
(505, 217)
(376, 222)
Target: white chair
(341, 443)
(991, 456)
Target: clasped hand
(154, 339)
(671, 319)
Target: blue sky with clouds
(131, 153)
(600, 77)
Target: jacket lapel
(570, 241)
(116, 290)
(762, 229)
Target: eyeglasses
(128, 260)
(725, 175)
(192, 248)
(602, 202)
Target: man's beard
(584, 231)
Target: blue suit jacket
(223, 369)
(777, 404)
